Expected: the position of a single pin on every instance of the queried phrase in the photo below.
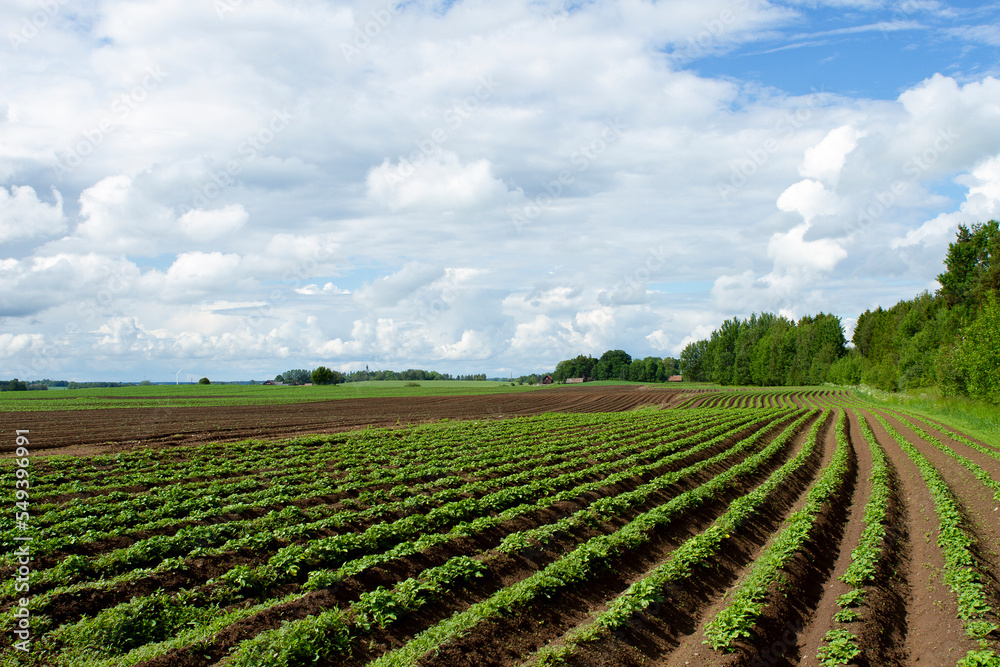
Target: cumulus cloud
(792, 251)
(439, 183)
(316, 290)
(982, 203)
(472, 345)
(202, 225)
(390, 290)
(22, 215)
(808, 198)
(275, 196)
(825, 160)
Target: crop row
(841, 645)
(178, 505)
(586, 560)
(695, 553)
(961, 571)
(290, 558)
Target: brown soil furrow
(134, 534)
(988, 463)
(821, 620)
(85, 432)
(691, 650)
(504, 569)
(981, 510)
(70, 609)
(503, 573)
(934, 634)
(508, 640)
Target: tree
(722, 350)
(204, 381)
(979, 354)
(613, 365)
(16, 385)
(972, 265)
(324, 375)
(296, 376)
(694, 363)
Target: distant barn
(675, 378)
(547, 379)
(569, 380)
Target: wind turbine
(177, 380)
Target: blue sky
(240, 187)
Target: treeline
(951, 338)
(409, 374)
(768, 350)
(323, 375)
(617, 365)
(42, 385)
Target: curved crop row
(750, 597)
(840, 644)
(580, 564)
(961, 573)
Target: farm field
(143, 423)
(228, 395)
(618, 526)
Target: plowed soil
(88, 432)
(909, 616)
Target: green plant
(840, 649)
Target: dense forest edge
(949, 339)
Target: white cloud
(660, 340)
(982, 203)
(808, 198)
(22, 215)
(825, 160)
(472, 345)
(439, 183)
(257, 203)
(390, 290)
(315, 290)
(792, 251)
(203, 225)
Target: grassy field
(974, 417)
(192, 395)
(234, 394)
